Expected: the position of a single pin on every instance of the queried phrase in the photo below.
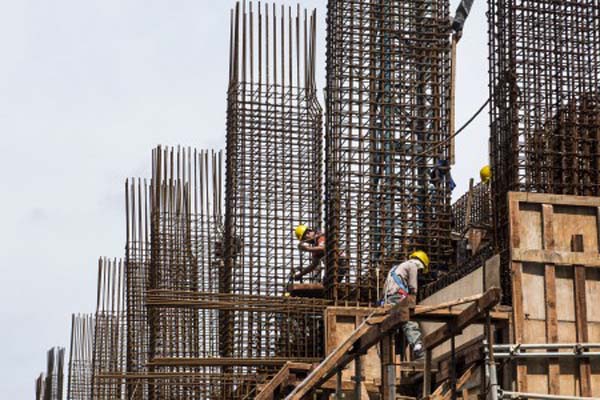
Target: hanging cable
(462, 128)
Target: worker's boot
(418, 351)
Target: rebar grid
(186, 210)
(110, 337)
(473, 209)
(49, 386)
(185, 240)
(204, 385)
(274, 175)
(137, 261)
(545, 102)
(387, 165)
(79, 385)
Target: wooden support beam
(278, 380)
(388, 369)
(377, 327)
(227, 361)
(585, 372)
(332, 363)
(465, 318)
(550, 297)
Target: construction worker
(402, 283)
(313, 242)
(485, 174)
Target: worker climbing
(485, 174)
(313, 242)
(402, 283)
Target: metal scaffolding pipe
(520, 395)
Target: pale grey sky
(87, 89)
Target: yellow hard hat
(485, 174)
(423, 257)
(299, 231)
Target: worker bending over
(402, 283)
(313, 242)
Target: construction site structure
(207, 304)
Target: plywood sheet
(565, 294)
(592, 295)
(569, 221)
(530, 226)
(470, 285)
(339, 325)
(534, 306)
(544, 263)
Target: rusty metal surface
(110, 344)
(274, 177)
(387, 183)
(473, 209)
(79, 382)
(545, 102)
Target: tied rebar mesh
(137, 261)
(545, 102)
(79, 385)
(473, 209)
(274, 178)
(186, 212)
(387, 162)
(110, 332)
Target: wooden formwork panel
(555, 264)
(340, 322)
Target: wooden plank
(312, 290)
(556, 257)
(559, 199)
(581, 317)
(342, 356)
(269, 389)
(552, 329)
(466, 317)
(518, 322)
(550, 292)
(388, 371)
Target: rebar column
(387, 151)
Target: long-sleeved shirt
(408, 272)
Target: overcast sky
(87, 89)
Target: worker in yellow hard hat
(313, 242)
(402, 282)
(486, 174)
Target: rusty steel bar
(185, 242)
(79, 383)
(388, 178)
(274, 178)
(545, 103)
(110, 330)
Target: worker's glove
(303, 246)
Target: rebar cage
(388, 183)
(274, 177)
(545, 102)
